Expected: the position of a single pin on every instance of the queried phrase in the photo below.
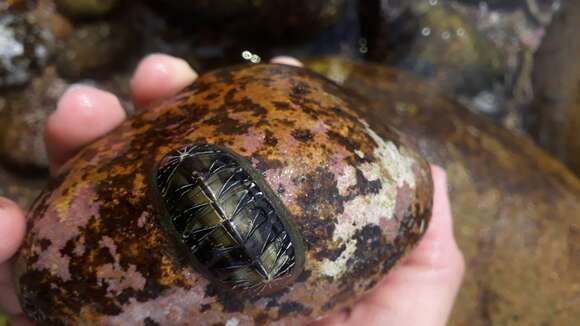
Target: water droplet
(247, 55)
(255, 58)
(426, 31)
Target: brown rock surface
(359, 195)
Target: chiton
(310, 206)
(228, 220)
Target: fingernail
(159, 76)
(164, 68)
(286, 60)
(84, 99)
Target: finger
(289, 61)
(83, 114)
(12, 228)
(159, 76)
(427, 281)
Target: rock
(554, 116)
(515, 207)
(274, 20)
(101, 249)
(86, 8)
(24, 49)
(96, 50)
(24, 113)
(437, 42)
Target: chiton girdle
(226, 219)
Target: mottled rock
(357, 192)
(10, 5)
(515, 207)
(554, 117)
(273, 20)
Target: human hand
(83, 114)
(420, 291)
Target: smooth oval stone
(516, 208)
(360, 197)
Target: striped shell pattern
(227, 220)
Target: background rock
(554, 117)
(25, 48)
(84, 8)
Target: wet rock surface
(358, 193)
(515, 207)
(86, 8)
(481, 53)
(514, 27)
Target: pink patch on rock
(142, 219)
(283, 179)
(404, 201)
(80, 247)
(319, 127)
(390, 227)
(80, 211)
(250, 141)
(109, 243)
(174, 307)
(119, 279)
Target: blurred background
(489, 89)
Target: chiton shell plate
(226, 220)
(96, 252)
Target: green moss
(3, 319)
